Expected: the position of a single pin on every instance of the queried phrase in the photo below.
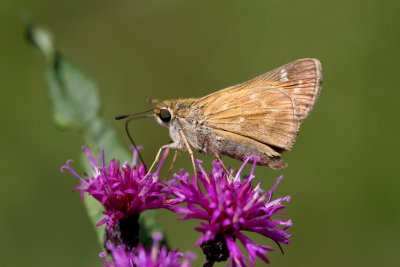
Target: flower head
(229, 206)
(156, 257)
(124, 191)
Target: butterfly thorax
(185, 118)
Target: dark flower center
(126, 233)
(215, 250)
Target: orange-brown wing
(268, 108)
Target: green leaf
(95, 212)
(94, 208)
(101, 134)
(149, 224)
(76, 105)
(41, 40)
(74, 97)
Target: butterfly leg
(189, 150)
(223, 166)
(172, 145)
(171, 166)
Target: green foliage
(75, 98)
(76, 105)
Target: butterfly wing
(269, 108)
(301, 79)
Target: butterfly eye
(165, 115)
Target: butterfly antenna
(141, 115)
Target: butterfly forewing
(301, 79)
(268, 108)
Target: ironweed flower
(124, 191)
(228, 206)
(156, 257)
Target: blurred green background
(342, 171)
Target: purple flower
(156, 257)
(124, 191)
(229, 205)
